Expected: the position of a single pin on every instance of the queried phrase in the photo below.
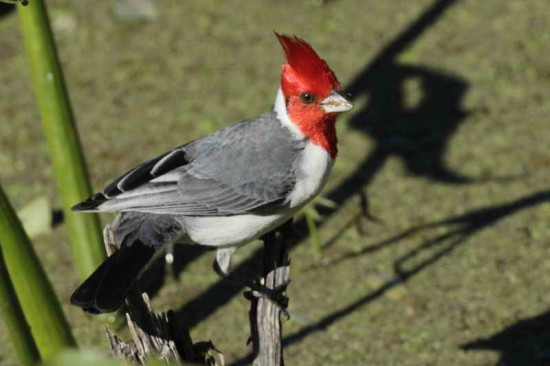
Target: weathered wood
(153, 335)
(265, 314)
(156, 335)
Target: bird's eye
(307, 97)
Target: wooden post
(265, 314)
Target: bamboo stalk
(16, 324)
(63, 141)
(49, 327)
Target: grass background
(451, 123)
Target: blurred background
(437, 251)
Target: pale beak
(336, 103)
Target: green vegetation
(63, 142)
(48, 325)
(16, 324)
(475, 78)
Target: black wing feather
(136, 177)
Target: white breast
(314, 168)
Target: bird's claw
(280, 302)
(275, 295)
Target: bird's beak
(336, 103)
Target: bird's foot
(275, 295)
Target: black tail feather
(105, 290)
(84, 296)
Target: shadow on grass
(416, 131)
(458, 228)
(461, 228)
(526, 343)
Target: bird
(226, 189)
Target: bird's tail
(105, 290)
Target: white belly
(230, 230)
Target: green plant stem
(63, 141)
(16, 324)
(49, 327)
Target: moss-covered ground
(449, 139)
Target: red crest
(305, 70)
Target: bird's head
(311, 92)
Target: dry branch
(156, 335)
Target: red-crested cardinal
(225, 189)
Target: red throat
(317, 125)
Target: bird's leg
(222, 266)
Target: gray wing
(247, 167)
